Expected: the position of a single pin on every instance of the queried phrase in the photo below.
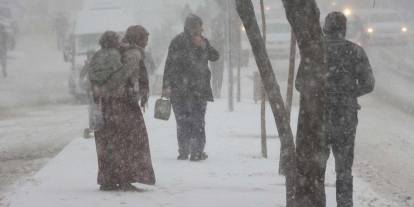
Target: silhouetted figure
(3, 49)
(61, 27)
(122, 142)
(93, 108)
(187, 83)
(218, 40)
(349, 77)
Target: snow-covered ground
(234, 175)
(394, 72)
(34, 125)
(32, 131)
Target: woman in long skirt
(122, 142)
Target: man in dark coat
(61, 26)
(350, 77)
(218, 35)
(93, 107)
(187, 84)
(3, 49)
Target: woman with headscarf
(122, 142)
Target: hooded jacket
(350, 74)
(186, 72)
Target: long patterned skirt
(122, 145)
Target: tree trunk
(246, 13)
(311, 142)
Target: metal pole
(229, 56)
(239, 69)
(263, 104)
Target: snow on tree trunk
(303, 15)
(304, 168)
(246, 13)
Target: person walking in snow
(218, 35)
(61, 27)
(187, 84)
(122, 142)
(350, 77)
(93, 108)
(3, 49)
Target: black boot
(182, 157)
(109, 187)
(198, 156)
(88, 133)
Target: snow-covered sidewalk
(234, 175)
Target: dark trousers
(190, 117)
(3, 63)
(313, 149)
(341, 134)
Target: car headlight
(404, 29)
(347, 12)
(243, 29)
(370, 30)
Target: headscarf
(335, 24)
(135, 35)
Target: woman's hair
(135, 34)
(109, 39)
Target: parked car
(278, 38)
(383, 27)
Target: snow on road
(384, 155)
(394, 72)
(33, 127)
(234, 174)
(31, 135)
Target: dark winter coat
(186, 71)
(3, 43)
(350, 74)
